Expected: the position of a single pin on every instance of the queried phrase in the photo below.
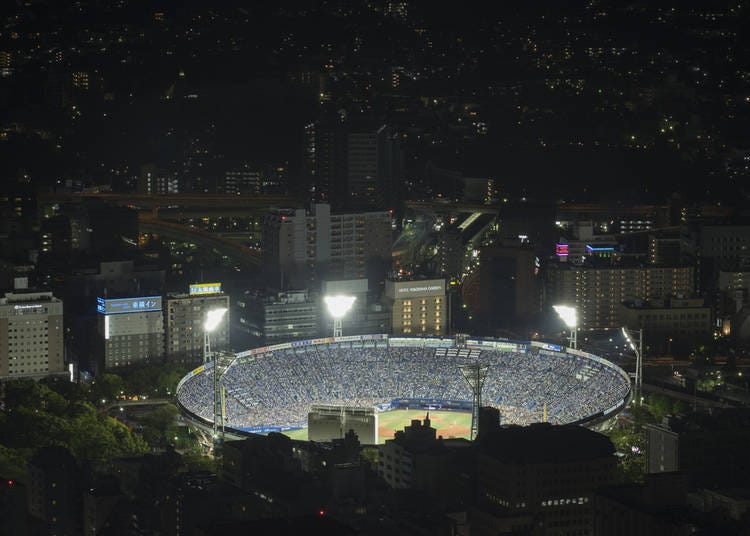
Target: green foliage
(629, 438)
(641, 416)
(195, 461)
(36, 416)
(13, 462)
(68, 390)
(707, 384)
(680, 406)
(168, 379)
(106, 387)
(153, 380)
(159, 426)
(659, 406)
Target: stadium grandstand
(273, 388)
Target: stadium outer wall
(597, 421)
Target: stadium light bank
(338, 306)
(569, 316)
(211, 322)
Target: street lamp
(211, 322)
(638, 360)
(338, 306)
(570, 318)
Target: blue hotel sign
(128, 305)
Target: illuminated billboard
(561, 250)
(115, 306)
(592, 249)
(205, 288)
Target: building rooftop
(544, 443)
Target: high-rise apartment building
(301, 247)
(597, 292)
(31, 335)
(185, 314)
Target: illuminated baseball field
(448, 423)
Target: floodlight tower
(569, 316)
(475, 374)
(338, 306)
(638, 383)
(211, 322)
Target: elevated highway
(191, 202)
(243, 255)
(450, 207)
(155, 211)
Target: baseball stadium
(274, 388)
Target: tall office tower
(362, 166)
(185, 314)
(31, 335)
(509, 293)
(597, 292)
(130, 331)
(353, 165)
(300, 248)
(324, 156)
(451, 254)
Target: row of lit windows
(407, 328)
(407, 315)
(563, 502)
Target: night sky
(574, 96)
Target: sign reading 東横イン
(128, 305)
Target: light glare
(338, 306)
(567, 314)
(213, 317)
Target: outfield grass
(448, 423)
